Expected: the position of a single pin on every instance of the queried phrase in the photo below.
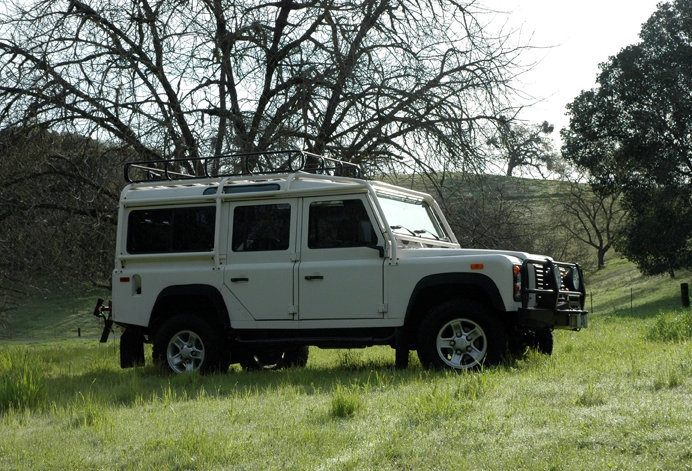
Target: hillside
(620, 289)
(59, 311)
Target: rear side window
(261, 227)
(171, 230)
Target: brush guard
(546, 300)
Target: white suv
(279, 251)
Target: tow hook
(107, 320)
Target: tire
(543, 341)
(186, 343)
(461, 335)
(131, 349)
(294, 357)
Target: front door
(340, 275)
(261, 257)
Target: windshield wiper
(424, 231)
(397, 227)
(416, 233)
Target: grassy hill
(621, 290)
(55, 311)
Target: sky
(578, 35)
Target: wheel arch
(439, 288)
(203, 300)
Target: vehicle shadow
(150, 384)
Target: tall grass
(671, 327)
(22, 384)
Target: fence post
(685, 294)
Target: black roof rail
(231, 165)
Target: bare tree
(58, 208)
(593, 218)
(385, 83)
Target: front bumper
(548, 318)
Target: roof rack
(231, 165)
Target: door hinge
(382, 308)
(292, 309)
(295, 256)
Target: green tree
(634, 134)
(522, 146)
(658, 234)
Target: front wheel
(186, 344)
(543, 341)
(461, 335)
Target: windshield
(411, 217)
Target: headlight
(555, 273)
(573, 280)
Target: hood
(439, 252)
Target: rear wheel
(400, 349)
(131, 349)
(268, 359)
(186, 344)
(461, 335)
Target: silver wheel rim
(185, 352)
(462, 344)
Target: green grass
(613, 396)
(592, 405)
(56, 311)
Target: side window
(339, 223)
(261, 227)
(169, 230)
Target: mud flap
(107, 321)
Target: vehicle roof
(252, 187)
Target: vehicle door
(261, 257)
(340, 275)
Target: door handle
(314, 277)
(236, 280)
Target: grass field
(613, 396)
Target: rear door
(340, 275)
(261, 257)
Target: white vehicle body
(296, 259)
